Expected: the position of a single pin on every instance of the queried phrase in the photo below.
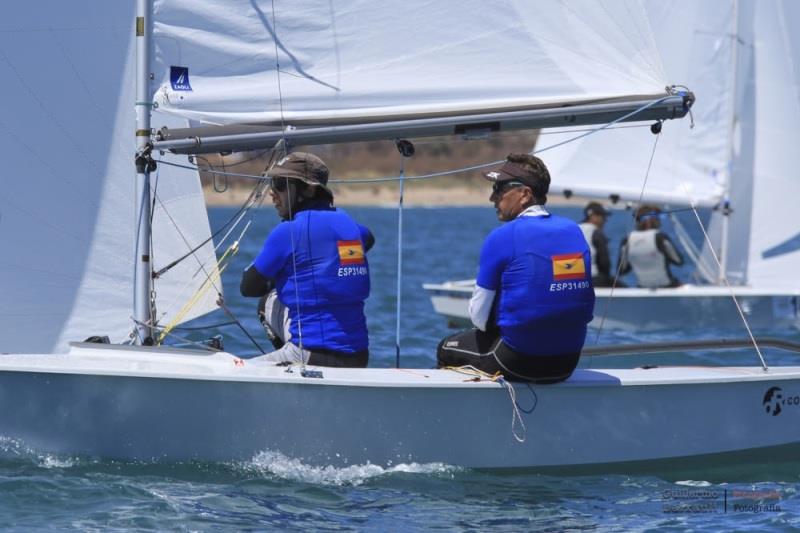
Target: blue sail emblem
(792, 244)
(179, 78)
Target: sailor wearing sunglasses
(312, 272)
(533, 296)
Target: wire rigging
(399, 259)
(289, 194)
(617, 274)
(728, 285)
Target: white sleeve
(480, 306)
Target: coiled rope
(497, 377)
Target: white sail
(690, 165)
(360, 60)
(67, 202)
(774, 248)
(763, 246)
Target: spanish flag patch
(568, 266)
(350, 252)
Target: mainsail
(67, 204)
(316, 63)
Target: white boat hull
(157, 404)
(638, 309)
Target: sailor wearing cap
(595, 216)
(533, 296)
(649, 252)
(312, 271)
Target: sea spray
(276, 464)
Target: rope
(624, 252)
(289, 194)
(399, 261)
(182, 339)
(497, 377)
(701, 273)
(205, 327)
(221, 304)
(207, 284)
(256, 196)
(192, 252)
(727, 283)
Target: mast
(143, 307)
(726, 208)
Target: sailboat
(735, 161)
(238, 75)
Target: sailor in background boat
(312, 272)
(533, 296)
(648, 251)
(595, 216)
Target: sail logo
(568, 266)
(775, 401)
(179, 78)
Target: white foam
(693, 483)
(51, 461)
(279, 465)
(14, 447)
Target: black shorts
(487, 352)
(338, 359)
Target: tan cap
(302, 166)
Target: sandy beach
(359, 161)
(388, 195)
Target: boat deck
(176, 363)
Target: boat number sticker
(179, 78)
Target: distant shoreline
(463, 196)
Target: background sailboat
(736, 159)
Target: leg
(274, 317)
(541, 369)
(471, 347)
(288, 353)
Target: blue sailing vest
(540, 268)
(326, 296)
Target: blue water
(271, 492)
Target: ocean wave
(276, 464)
(16, 449)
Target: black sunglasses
(278, 184)
(499, 187)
